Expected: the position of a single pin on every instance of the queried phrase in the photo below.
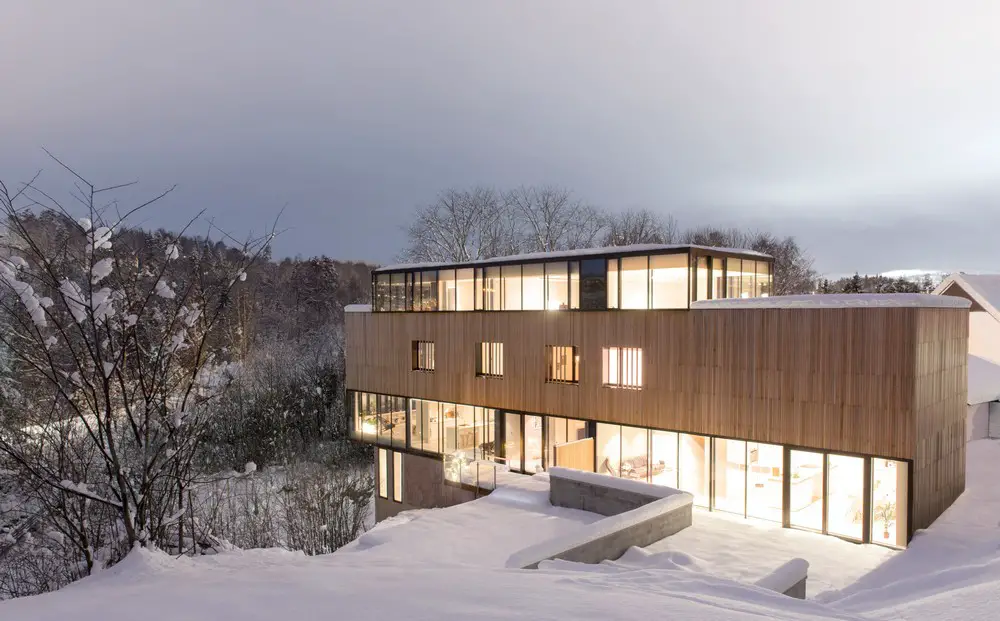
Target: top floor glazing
(628, 277)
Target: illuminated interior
(845, 500)
(660, 281)
(806, 495)
(889, 502)
(765, 473)
(825, 491)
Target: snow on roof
(839, 300)
(984, 288)
(984, 381)
(358, 308)
(566, 254)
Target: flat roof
(575, 254)
(839, 300)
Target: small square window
(489, 362)
(562, 364)
(423, 355)
(623, 367)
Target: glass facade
(765, 476)
(694, 467)
(889, 506)
(669, 279)
(845, 498)
(806, 490)
(860, 498)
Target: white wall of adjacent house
(977, 421)
(984, 336)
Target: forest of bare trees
(175, 390)
(483, 222)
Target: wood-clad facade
(886, 381)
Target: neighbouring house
(983, 293)
(983, 417)
(839, 414)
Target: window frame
(574, 365)
(490, 359)
(419, 356)
(615, 376)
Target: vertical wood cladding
(938, 475)
(880, 381)
(578, 455)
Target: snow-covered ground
(448, 564)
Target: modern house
(983, 293)
(840, 414)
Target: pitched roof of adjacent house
(983, 290)
(984, 381)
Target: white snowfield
(447, 564)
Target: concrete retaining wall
(601, 494)
(789, 579)
(664, 511)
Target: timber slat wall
(940, 408)
(858, 380)
(578, 455)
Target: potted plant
(886, 513)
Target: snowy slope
(404, 569)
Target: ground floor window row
(862, 498)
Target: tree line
(875, 284)
(481, 222)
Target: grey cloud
(866, 129)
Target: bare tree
(461, 225)
(640, 226)
(551, 219)
(117, 344)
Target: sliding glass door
(806, 490)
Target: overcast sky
(869, 130)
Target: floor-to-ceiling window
(557, 286)
(613, 285)
(635, 282)
(533, 447)
(465, 431)
(825, 492)
(635, 453)
(425, 422)
(663, 457)
(558, 431)
(730, 475)
(765, 476)
(718, 278)
(464, 290)
(694, 467)
(806, 490)
(889, 502)
(669, 276)
(609, 449)
(511, 275)
(512, 440)
(701, 289)
(485, 426)
(533, 286)
(446, 290)
(845, 499)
